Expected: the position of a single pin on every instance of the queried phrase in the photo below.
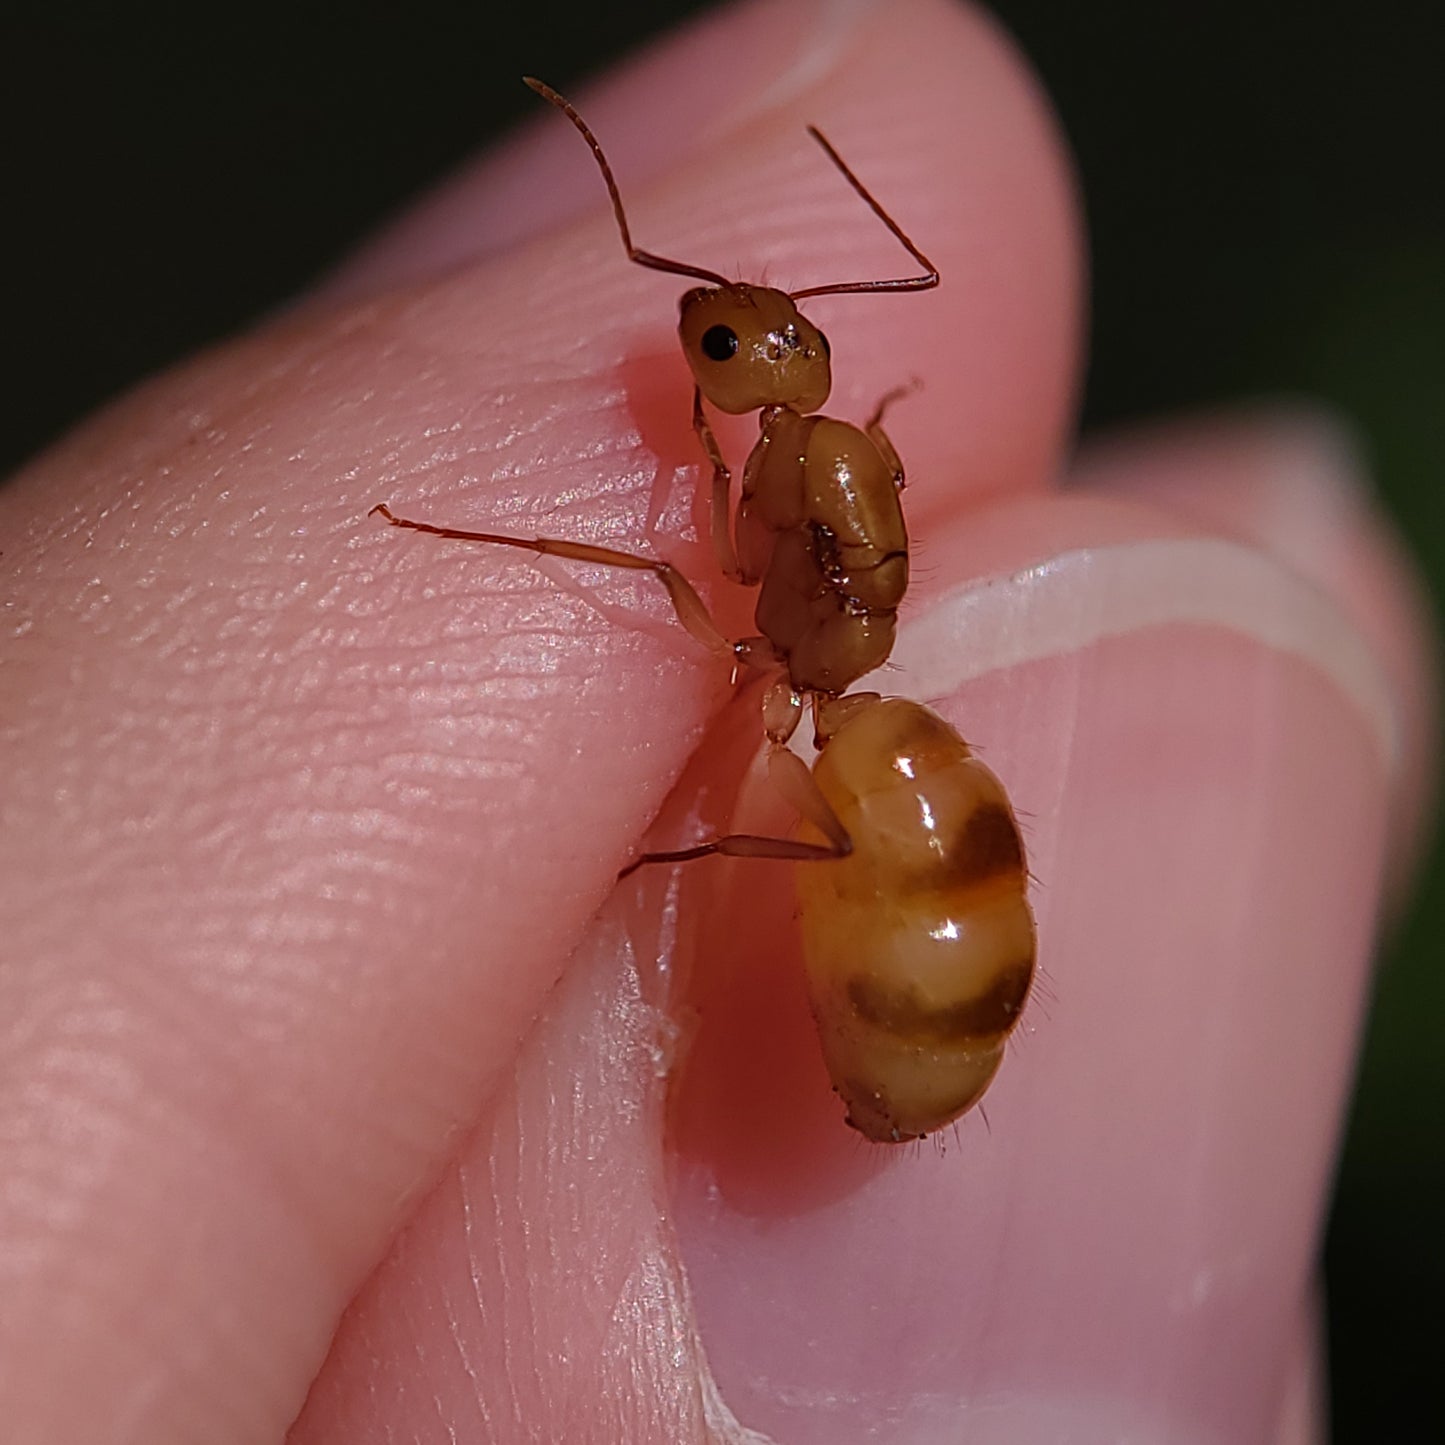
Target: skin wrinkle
(463, 1354)
(114, 1114)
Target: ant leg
(830, 713)
(688, 606)
(721, 502)
(782, 709)
(790, 776)
(879, 437)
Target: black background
(1266, 193)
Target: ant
(917, 934)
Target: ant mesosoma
(917, 934)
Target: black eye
(827, 350)
(719, 343)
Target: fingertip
(933, 106)
(1293, 479)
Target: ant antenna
(928, 279)
(634, 253)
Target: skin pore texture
(343, 1093)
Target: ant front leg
(720, 503)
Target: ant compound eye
(719, 343)
(827, 349)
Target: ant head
(750, 347)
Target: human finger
(1202, 747)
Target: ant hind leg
(790, 776)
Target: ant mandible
(917, 934)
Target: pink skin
(311, 829)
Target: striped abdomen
(919, 944)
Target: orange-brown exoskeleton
(912, 884)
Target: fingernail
(1122, 1250)
(675, 97)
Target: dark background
(1266, 194)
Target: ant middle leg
(720, 499)
(880, 438)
